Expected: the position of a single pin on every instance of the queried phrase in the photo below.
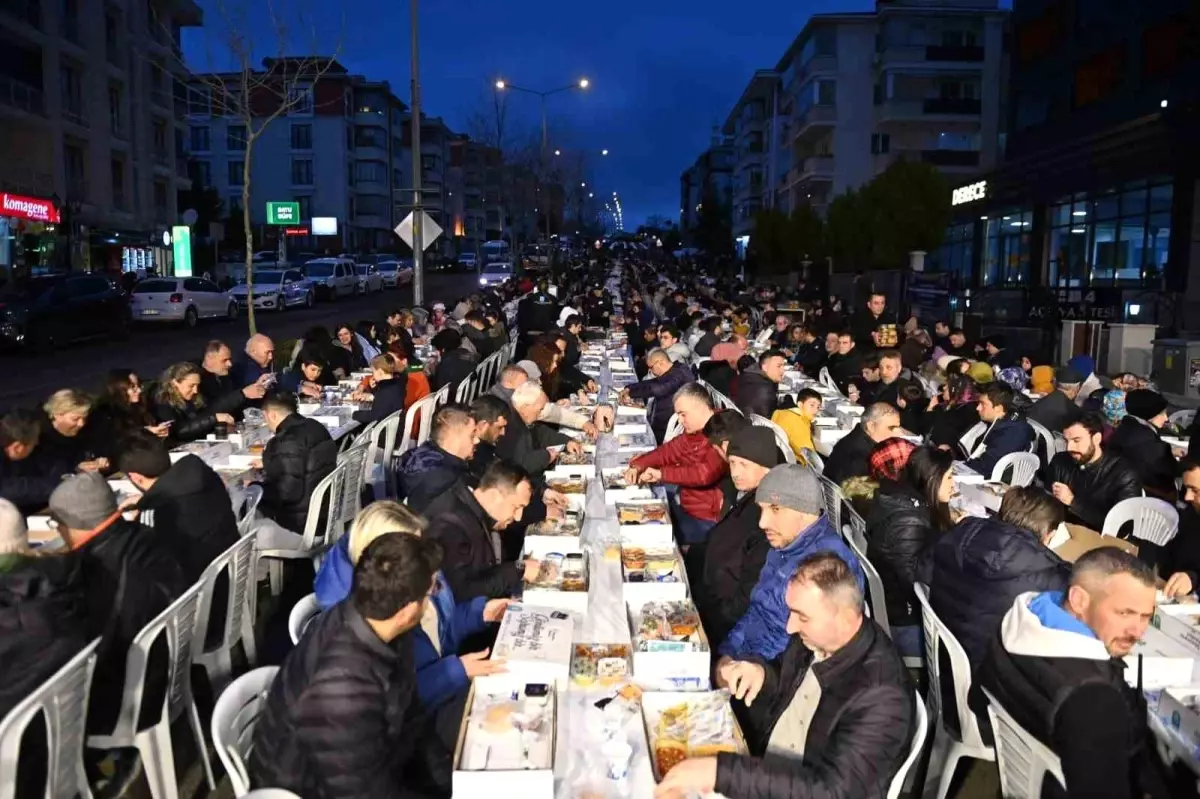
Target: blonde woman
(64, 439)
(177, 402)
(443, 676)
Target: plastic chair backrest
(420, 410)
(271, 793)
(826, 379)
(712, 392)
(1060, 444)
(352, 470)
(440, 398)
(63, 698)
(972, 436)
(321, 494)
(1183, 418)
(301, 614)
(674, 428)
(876, 603)
(781, 439)
(855, 527)
(914, 750)
(233, 718)
(937, 633)
(238, 563)
(389, 430)
(1153, 519)
(1024, 466)
(248, 513)
(1024, 761)
(1046, 437)
(464, 394)
(833, 501)
(763, 336)
(814, 461)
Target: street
(150, 349)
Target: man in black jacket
(850, 455)
(1086, 478)
(572, 329)
(466, 522)
(981, 565)
(1138, 441)
(736, 548)
(428, 471)
(833, 716)
(846, 363)
(1180, 558)
(221, 394)
(665, 378)
(129, 577)
(756, 390)
(191, 506)
(711, 336)
(341, 719)
(1057, 666)
(1055, 410)
(531, 444)
(455, 364)
(26, 481)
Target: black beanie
(756, 444)
(1144, 404)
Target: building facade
(750, 127)
(91, 133)
(712, 176)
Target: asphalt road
(152, 348)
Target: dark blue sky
(663, 73)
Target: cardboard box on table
(489, 784)
(670, 665)
(1163, 660)
(1175, 709)
(638, 594)
(556, 598)
(536, 643)
(655, 702)
(1084, 540)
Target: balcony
(371, 220)
(933, 109)
(817, 65)
(925, 55)
(813, 120)
(959, 54)
(370, 152)
(162, 98)
(22, 96)
(376, 187)
(73, 113)
(947, 107)
(816, 167)
(951, 158)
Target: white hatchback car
(369, 279)
(180, 299)
(396, 273)
(332, 277)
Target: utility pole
(545, 201)
(418, 244)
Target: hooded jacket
(754, 392)
(1140, 444)
(899, 528)
(976, 571)
(733, 559)
(1097, 486)
(859, 734)
(662, 389)
(297, 458)
(1053, 411)
(1057, 680)
(193, 512)
(472, 568)
(679, 352)
(762, 629)
(691, 463)
(428, 471)
(1003, 437)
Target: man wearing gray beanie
(792, 506)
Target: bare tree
(257, 95)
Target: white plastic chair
(423, 408)
(1046, 437)
(855, 527)
(781, 439)
(876, 604)
(972, 436)
(178, 624)
(813, 460)
(301, 614)
(1153, 519)
(970, 744)
(1024, 466)
(238, 562)
(270, 793)
(248, 513)
(1024, 761)
(1182, 418)
(826, 379)
(1060, 444)
(63, 698)
(763, 337)
(833, 501)
(674, 428)
(914, 750)
(381, 473)
(233, 719)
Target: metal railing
(22, 96)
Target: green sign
(283, 213)
(181, 240)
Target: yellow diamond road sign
(430, 230)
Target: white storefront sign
(970, 193)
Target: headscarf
(726, 351)
(1084, 364)
(1114, 405)
(889, 457)
(1014, 377)
(1043, 379)
(962, 390)
(981, 372)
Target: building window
(118, 183)
(116, 114)
(160, 197)
(69, 21)
(429, 162)
(112, 35)
(368, 136)
(235, 138)
(199, 137)
(302, 172)
(1006, 245)
(881, 143)
(159, 132)
(76, 170)
(956, 256)
(370, 172)
(305, 203)
(203, 173)
(300, 100)
(302, 137)
(235, 170)
(71, 83)
(199, 100)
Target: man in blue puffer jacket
(443, 676)
(794, 523)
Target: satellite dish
(190, 216)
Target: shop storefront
(28, 235)
(122, 252)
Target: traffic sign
(430, 230)
(283, 213)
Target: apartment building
(710, 176)
(91, 132)
(750, 126)
(337, 152)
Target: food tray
(645, 511)
(681, 725)
(603, 664)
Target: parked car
(495, 273)
(276, 290)
(332, 277)
(396, 273)
(45, 311)
(467, 259)
(184, 300)
(369, 279)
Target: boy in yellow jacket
(797, 422)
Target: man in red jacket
(689, 464)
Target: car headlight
(483, 281)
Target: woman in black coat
(957, 411)
(121, 411)
(1137, 439)
(178, 402)
(348, 342)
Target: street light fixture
(558, 152)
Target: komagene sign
(969, 194)
(30, 208)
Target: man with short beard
(1085, 478)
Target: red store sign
(295, 231)
(31, 208)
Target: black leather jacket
(1097, 486)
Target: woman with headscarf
(1113, 406)
(721, 368)
(955, 412)
(1138, 439)
(1042, 380)
(1085, 365)
(981, 372)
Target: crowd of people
(369, 702)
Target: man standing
(756, 390)
(850, 455)
(1085, 478)
(833, 717)
(1006, 432)
(867, 320)
(1055, 410)
(1057, 666)
(666, 378)
(794, 522)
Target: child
(797, 421)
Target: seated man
(467, 523)
(756, 390)
(491, 415)
(454, 365)
(297, 458)
(1086, 478)
(259, 361)
(976, 570)
(1180, 558)
(1055, 410)
(1006, 432)
(736, 547)
(850, 455)
(670, 339)
(793, 519)
(832, 717)
(1057, 666)
(688, 462)
(26, 481)
(664, 379)
(341, 718)
(428, 471)
(217, 385)
(531, 444)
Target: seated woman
(347, 340)
(387, 393)
(304, 379)
(121, 410)
(443, 676)
(62, 440)
(178, 402)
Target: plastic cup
(617, 755)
